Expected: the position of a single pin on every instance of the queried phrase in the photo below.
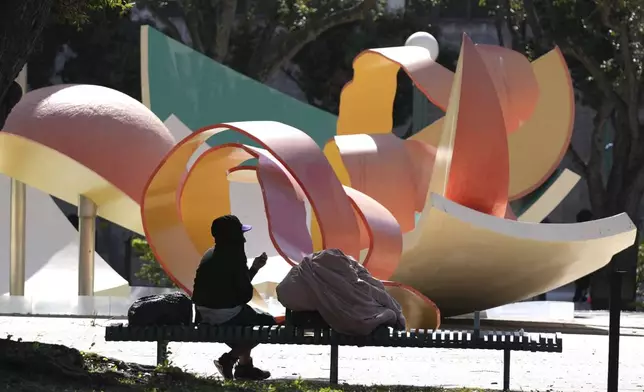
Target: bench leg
(162, 352)
(334, 365)
(506, 370)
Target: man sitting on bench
(222, 290)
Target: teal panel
(520, 206)
(201, 92)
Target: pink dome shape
(103, 129)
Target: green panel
(201, 92)
(520, 206)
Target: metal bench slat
(383, 337)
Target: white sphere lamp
(424, 40)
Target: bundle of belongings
(164, 309)
(342, 291)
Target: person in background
(582, 284)
(222, 290)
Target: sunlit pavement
(581, 367)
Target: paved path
(581, 367)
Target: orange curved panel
(550, 125)
(294, 150)
(385, 237)
(421, 157)
(515, 83)
(419, 311)
(472, 160)
(167, 237)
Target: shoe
(225, 365)
(250, 373)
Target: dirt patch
(41, 367)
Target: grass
(40, 367)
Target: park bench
(382, 337)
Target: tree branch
(632, 90)
(284, 51)
(192, 19)
(226, 17)
(21, 22)
(268, 32)
(169, 27)
(591, 66)
(300, 85)
(581, 166)
(540, 36)
(506, 6)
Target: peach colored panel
(420, 312)
(421, 158)
(379, 166)
(478, 172)
(285, 210)
(107, 131)
(514, 81)
(385, 245)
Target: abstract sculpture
(508, 123)
(429, 215)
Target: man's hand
(260, 261)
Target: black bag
(164, 309)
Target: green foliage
(258, 37)
(77, 12)
(55, 368)
(150, 270)
(105, 52)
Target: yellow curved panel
(366, 106)
(537, 148)
(471, 261)
(206, 193)
(420, 312)
(56, 174)
(161, 219)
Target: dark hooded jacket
(223, 279)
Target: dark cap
(227, 225)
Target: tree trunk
(225, 24)
(21, 22)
